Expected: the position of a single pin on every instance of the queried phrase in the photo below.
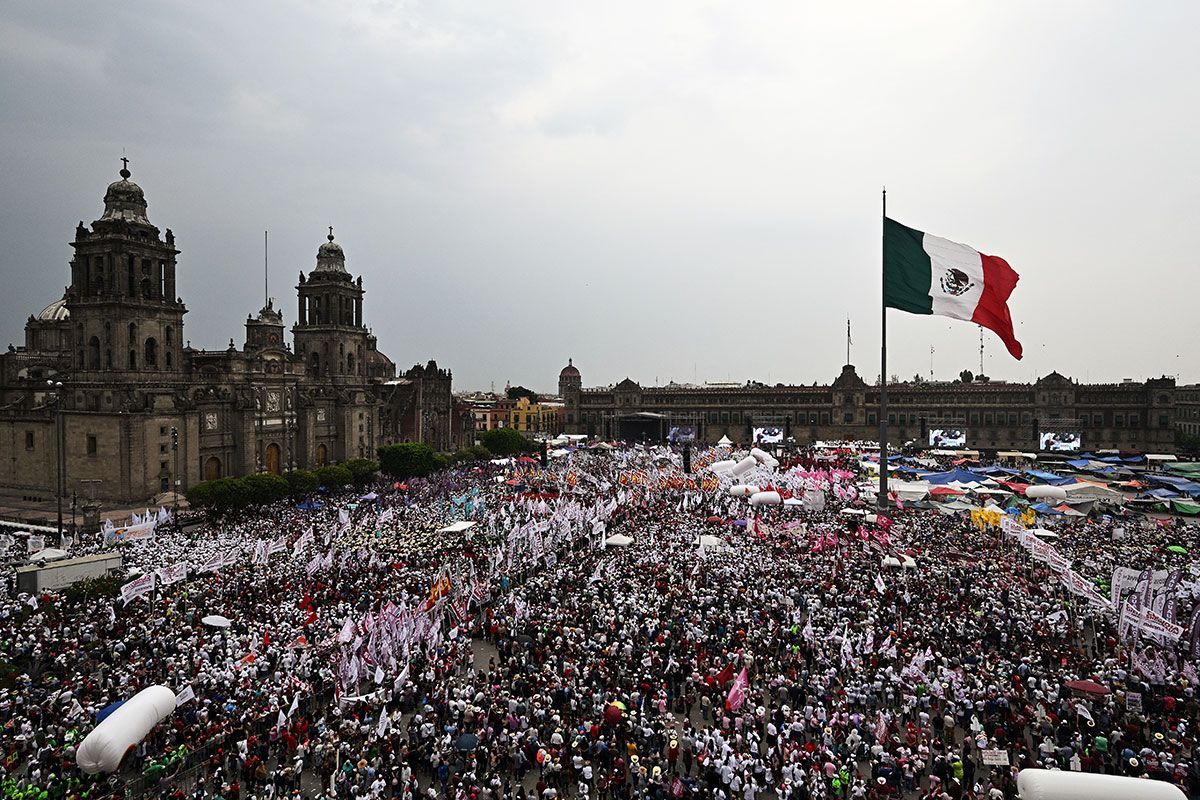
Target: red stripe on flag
(999, 280)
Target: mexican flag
(925, 274)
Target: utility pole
(175, 486)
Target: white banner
(137, 587)
(186, 695)
(130, 533)
(37, 543)
(172, 574)
(213, 564)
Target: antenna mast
(266, 284)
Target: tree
(362, 471)
(301, 482)
(506, 442)
(408, 460)
(516, 392)
(966, 376)
(918, 378)
(229, 494)
(200, 495)
(264, 488)
(334, 477)
(982, 379)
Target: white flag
(378, 674)
(384, 723)
(295, 705)
(880, 586)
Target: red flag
(725, 675)
(312, 617)
(737, 692)
(299, 642)
(267, 637)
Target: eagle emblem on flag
(955, 282)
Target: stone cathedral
(107, 372)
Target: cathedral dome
(125, 200)
(330, 257)
(55, 312)
(570, 370)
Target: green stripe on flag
(907, 274)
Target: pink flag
(737, 692)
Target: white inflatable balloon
(743, 490)
(766, 499)
(722, 466)
(745, 465)
(1046, 493)
(760, 455)
(1045, 784)
(108, 742)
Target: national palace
(995, 416)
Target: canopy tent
(457, 527)
(619, 540)
(1186, 508)
(1042, 533)
(960, 476)
(908, 491)
(49, 554)
(708, 540)
(724, 441)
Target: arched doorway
(212, 468)
(322, 455)
(273, 458)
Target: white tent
(708, 540)
(619, 540)
(1042, 533)
(909, 491)
(725, 441)
(852, 512)
(49, 554)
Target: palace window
(91, 445)
(28, 440)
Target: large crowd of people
(351, 647)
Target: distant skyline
(660, 191)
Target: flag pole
(882, 497)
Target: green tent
(1188, 469)
(1185, 507)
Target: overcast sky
(661, 190)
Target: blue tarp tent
(1043, 508)
(960, 475)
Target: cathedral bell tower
(329, 332)
(126, 320)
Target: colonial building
(994, 415)
(107, 375)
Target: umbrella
(216, 621)
(468, 741)
(1177, 549)
(741, 523)
(613, 712)
(1086, 687)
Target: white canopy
(619, 540)
(1042, 533)
(909, 491)
(49, 554)
(725, 441)
(708, 540)
(216, 621)
(852, 512)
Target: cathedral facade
(108, 390)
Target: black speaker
(687, 458)
(545, 457)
